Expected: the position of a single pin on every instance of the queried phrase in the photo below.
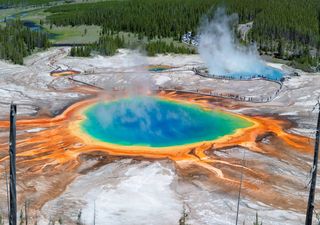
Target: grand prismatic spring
(148, 127)
(149, 112)
(155, 122)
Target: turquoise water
(265, 72)
(154, 122)
(37, 28)
(32, 26)
(158, 69)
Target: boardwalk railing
(242, 78)
(237, 97)
(253, 99)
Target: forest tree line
(162, 47)
(290, 25)
(108, 45)
(18, 41)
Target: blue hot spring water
(157, 69)
(154, 122)
(37, 27)
(265, 72)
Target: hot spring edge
(156, 122)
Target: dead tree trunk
(314, 176)
(26, 211)
(12, 153)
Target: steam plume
(219, 49)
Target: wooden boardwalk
(242, 98)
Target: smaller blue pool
(265, 72)
(37, 28)
(32, 25)
(157, 69)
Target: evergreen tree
(17, 41)
(155, 47)
(276, 25)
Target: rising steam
(220, 50)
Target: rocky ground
(140, 192)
